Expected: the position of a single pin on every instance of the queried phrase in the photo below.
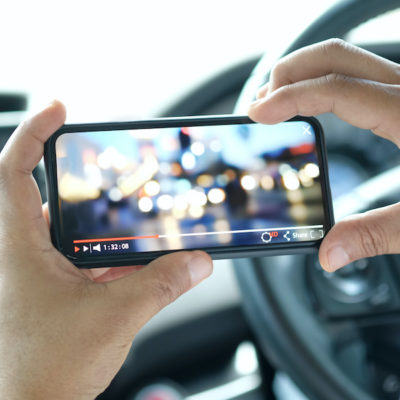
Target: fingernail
(49, 104)
(337, 258)
(199, 268)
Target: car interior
(279, 327)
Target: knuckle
(334, 45)
(165, 290)
(336, 80)
(372, 239)
(278, 68)
(338, 85)
(279, 72)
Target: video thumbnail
(188, 187)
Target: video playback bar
(87, 247)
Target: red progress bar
(115, 239)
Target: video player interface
(192, 187)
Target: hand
(64, 333)
(363, 90)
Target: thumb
(363, 235)
(144, 293)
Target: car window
(124, 59)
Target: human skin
(65, 332)
(361, 89)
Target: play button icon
(76, 249)
(85, 249)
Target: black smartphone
(126, 193)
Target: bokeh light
(267, 182)
(188, 160)
(216, 195)
(311, 170)
(290, 180)
(197, 148)
(152, 188)
(145, 204)
(165, 202)
(248, 182)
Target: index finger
(332, 56)
(366, 104)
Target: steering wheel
(334, 334)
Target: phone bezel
(221, 252)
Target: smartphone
(126, 193)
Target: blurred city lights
(152, 188)
(197, 148)
(170, 144)
(248, 182)
(196, 211)
(199, 228)
(177, 213)
(165, 202)
(110, 157)
(175, 169)
(298, 212)
(168, 185)
(103, 161)
(197, 197)
(188, 160)
(165, 168)
(267, 182)
(230, 174)
(305, 179)
(222, 226)
(106, 158)
(182, 186)
(216, 196)
(172, 229)
(74, 189)
(145, 204)
(120, 162)
(143, 173)
(89, 156)
(311, 170)
(205, 180)
(93, 175)
(115, 194)
(190, 182)
(295, 196)
(180, 202)
(221, 180)
(290, 180)
(216, 145)
(145, 134)
(284, 168)
(180, 206)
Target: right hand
(363, 90)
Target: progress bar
(116, 239)
(194, 234)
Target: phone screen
(188, 187)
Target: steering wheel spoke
(367, 289)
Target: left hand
(64, 333)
